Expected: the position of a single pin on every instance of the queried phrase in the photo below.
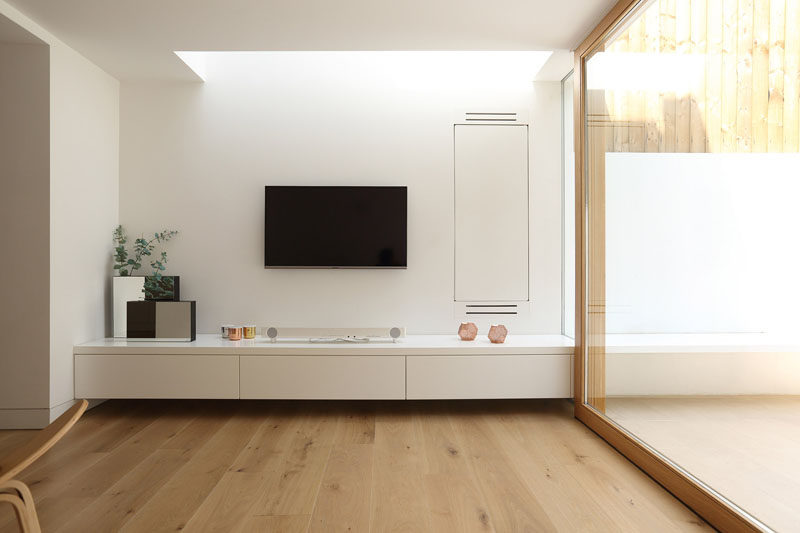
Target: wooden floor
(745, 447)
(331, 466)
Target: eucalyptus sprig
(120, 252)
(142, 247)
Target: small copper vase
(235, 333)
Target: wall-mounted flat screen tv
(335, 227)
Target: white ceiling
(134, 39)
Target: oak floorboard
(551, 482)
(294, 481)
(144, 437)
(356, 427)
(196, 433)
(596, 468)
(13, 438)
(265, 450)
(345, 495)
(91, 484)
(229, 504)
(173, 506)
(275, 524)
(442, 453)
(133, 419)
(455, 500)
(121, 501)
(512, 506)
(246, 466)
(96, 433)
(397, 475)
(456, 504)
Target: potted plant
(128, 287)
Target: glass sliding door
(687, 146)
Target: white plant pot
(126, 289)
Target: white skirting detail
(36, 418)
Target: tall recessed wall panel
(491, 212)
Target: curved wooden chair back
(20, 459)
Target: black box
(162, 320)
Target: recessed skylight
(195, 61)
(434, 68)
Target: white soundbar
(334, 334)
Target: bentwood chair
(16, 492)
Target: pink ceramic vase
(497, 333)
(467, 331)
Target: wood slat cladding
(746, 97)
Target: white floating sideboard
(416, 367)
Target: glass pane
(692, 135)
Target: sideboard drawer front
(323, 377)
(488, 376)
(156, 376)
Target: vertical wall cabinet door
(491, 210)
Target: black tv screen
(335, 227)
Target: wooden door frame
(690, 491)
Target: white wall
(546, 217)
(196, 157)
(83, 208)
(568, 189)
(687, 364)
(702, 243)
(700, 373)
